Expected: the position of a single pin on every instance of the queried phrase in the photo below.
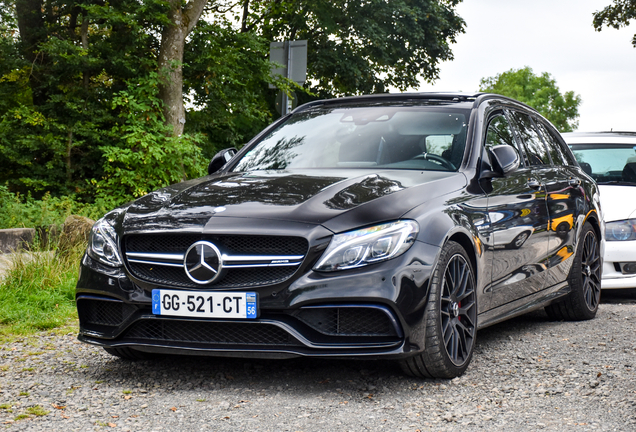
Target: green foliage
(38, 291)
(146, 156)
(538, 91)
(617, 15)
(18, 211)
(225, 74)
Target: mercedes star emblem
(203, 262)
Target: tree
(91, 122)
(92, 91)
(181, 21)
(617, 15)
(538, 91)
(361, 46)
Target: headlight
(620, 230)
(102, 244)
(368, 245)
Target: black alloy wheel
(457, 310)
(585, 281)
(451, 318)
(591, 271)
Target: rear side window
(561, 154)
(535, 148)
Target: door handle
(574, 182)
(533, 183)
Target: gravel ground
(527, 374)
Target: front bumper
(370, 312)
(617, 255)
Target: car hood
(618, 202)
(337, 199)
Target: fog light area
(628, 268)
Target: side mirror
(220, 159)
(505, 160)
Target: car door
(518, 221)
(566, 203)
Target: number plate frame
(225, 304)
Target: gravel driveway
(527, 374)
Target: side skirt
(523, 305)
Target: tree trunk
(171, 60)
(32, 33)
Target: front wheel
(584, 279)
(451, 318)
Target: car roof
(599, 137)
(457, 99)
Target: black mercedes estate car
(388, 226)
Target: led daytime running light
(368, 245)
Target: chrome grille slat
(176, 260)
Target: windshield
(607, 163)
(422, 138)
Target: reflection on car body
(386, 226)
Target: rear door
(566, 204)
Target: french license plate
(204, 304)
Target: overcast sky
(554, 36)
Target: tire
(450, 318)
(127, 353)
(584, 279)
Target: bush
(18, 211)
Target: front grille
(247, 276)
(103, 312)
(215, 333)
(348, 321)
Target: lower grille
(349, 321)
(104, 312)
(217, 333)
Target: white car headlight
(620, 230)
(102, 244)
(368, 245)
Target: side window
(537, 152)
(559, 151)
(499, 133)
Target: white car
(610, 158)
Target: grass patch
(37, 411)
(38, 291)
